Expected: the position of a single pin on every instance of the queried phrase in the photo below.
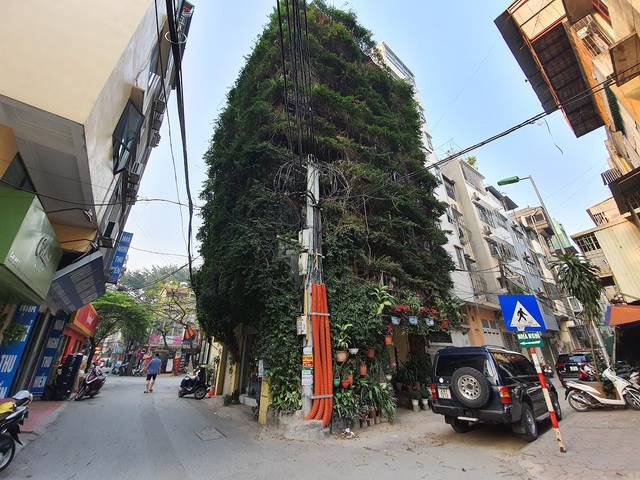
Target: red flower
(400, 308)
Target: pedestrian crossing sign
(521, 313)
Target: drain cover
(209, 433)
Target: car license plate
(443, 392)
(573, 369)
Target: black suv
(489, 385)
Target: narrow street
(125, 434)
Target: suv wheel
(529, 425)
(460, 426)
(470, 387)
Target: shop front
(82, 324)
(626, 321)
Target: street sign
(529, 339)
(521, 313)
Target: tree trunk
(92, 349)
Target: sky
(470, 85)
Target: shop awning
(78, 284)
(618, 315)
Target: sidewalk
(600, 444)
(42, 414)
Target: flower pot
(415, 404)
(445, 323)
(371, 352)
(393, 365)
(349, 378)
(395, 320)
(388, 340)
(424, 404)
(353, 351)
(363, 369)
(336, 382)
(345, 384)
(413, 320)
(341, 356)
(430, 322)
(388, 376)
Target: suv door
(519, 374)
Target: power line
(158, 253)
(83, 204)
(164, 277)
(177, 56)
(164, 94)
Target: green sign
(529, 339)
(29, 251)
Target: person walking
(153, 367)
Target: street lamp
(516, 179)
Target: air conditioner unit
(133, 178)
(159, 106)
(576, 306)
(486, 230)
(475, 197)
(155, 139)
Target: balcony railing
(610, 175)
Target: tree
(472, 160)
(580, 278)
(138, 279)
(119, 312)
(170, 305)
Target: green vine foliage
(386, 226)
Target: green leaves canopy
(119, 311)
(580, 278)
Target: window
(473, 177)
(600, 218)
(460, 256)
(125, 137)
(502, 221)
(447, 364)
(588, 243)
(551, 290)
(153, 66)
(512, 365)
(17, 174)
(448, 185)
(485, 215)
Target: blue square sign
(521, 313)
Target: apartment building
(83, 93)
(582, 56)
(462, 285)
(613, 245)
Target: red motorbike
(91, 383)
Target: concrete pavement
(123, 433)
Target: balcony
(610, 175)
(626, 191)
(538, 36)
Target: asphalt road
(124, 434)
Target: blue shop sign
(120, 256)
(11, 354)
(48, 354)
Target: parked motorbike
(587, 395)
(195, 384)
(12, 414)
(548, 371)
(91, 383)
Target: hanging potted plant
(336, 382)
(353, 350)
(371, 352)
(413, 319)
(341, 339)
(388, 339)
(363, 369)
(388, 374)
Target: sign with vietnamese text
(529, 339)
(11, 354)
(120, 257)
(48, 355)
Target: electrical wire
(158, 253)
(177, 56)
(164, 94)
(164, 277)
(82, 204)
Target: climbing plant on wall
(382, 225)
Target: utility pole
(312, 257)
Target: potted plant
(388, 339)
(381, 298)
(413, 319)
(336, 382)
(388, 374)
(424, 401)
(363, 369)
(415, 400)
(341, 339)
(344, 383)
(371, 352)
(354, 350)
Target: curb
(52, 418)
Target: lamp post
(516, 179)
